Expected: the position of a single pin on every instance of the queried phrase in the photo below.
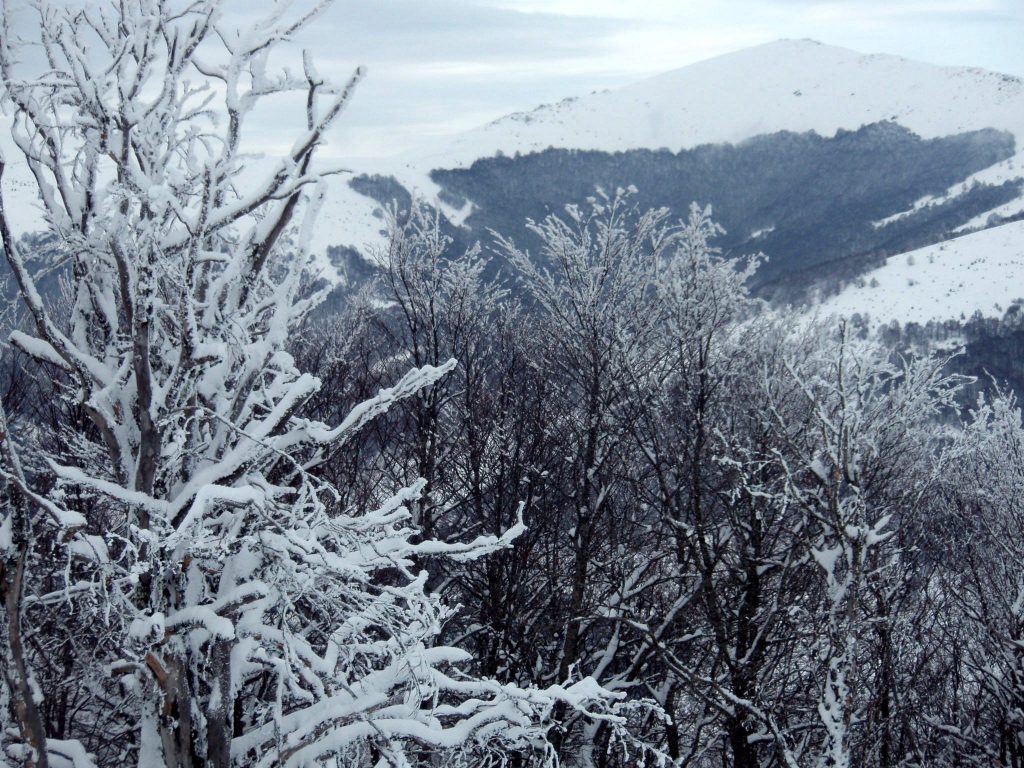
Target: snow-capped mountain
(825, 159)
(789, 85)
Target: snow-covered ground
(981, 271)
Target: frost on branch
(239, 614)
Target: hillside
(978, 272)
(826, 160)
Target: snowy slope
(982, 271)
(794, 85)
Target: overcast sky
(441, 66)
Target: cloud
(447, 65)
(440, 30)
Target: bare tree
(859, 456)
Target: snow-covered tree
(477, 437)
(239, 614)
(860, 456)
(983, 720)
(590, 287)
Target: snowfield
(978, 272)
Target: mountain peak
(786, 85)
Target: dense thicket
(798, 543)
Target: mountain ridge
(806, 83)
(787, 85)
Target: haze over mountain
(825, 159)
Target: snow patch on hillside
(1007, 170)
(1009, 210)
(978, 272)
(351, 219)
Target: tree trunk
(16, 671)
(219, 720)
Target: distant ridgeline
(812, 204)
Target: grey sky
(440, 66)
